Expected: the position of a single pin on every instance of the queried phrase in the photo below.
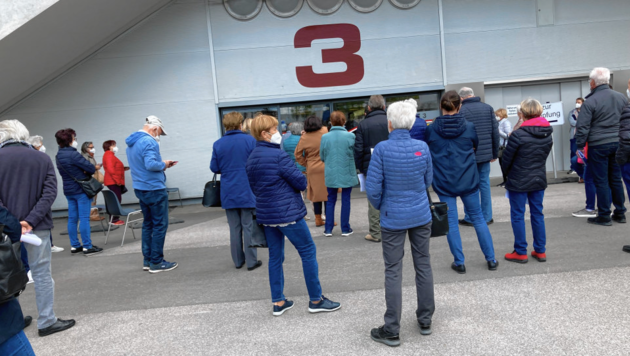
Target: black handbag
(212, 193)
(258, 240)
(13, 277)
(439, 214)
(90, 185)
(123, 189)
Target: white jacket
(505, 128)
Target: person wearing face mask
(276, 183)
(573, 116)
(38, 143)
(88, 151)
(72, 166)
(307, 154)
(505, 129)
(229, 157)
(149, 184)
(114, 174)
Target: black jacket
(372, 130)
(623, 152)
(525, 156)
(598, 122)
(486, 125)
(10, 312)
(28, 185)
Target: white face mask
(42, 149)
(498, 118)
(75, 144)
(628, 93)
(115, 149)
(276, 138)
(93, 151)
(578, 105)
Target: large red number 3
(347, 54)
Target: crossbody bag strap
(430, 200)
(60, 165)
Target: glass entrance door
(250, 112)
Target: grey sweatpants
(241, 224)
(39, 258)
(393, 252)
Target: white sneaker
(585, 213)
(56, 249)
(30, 278)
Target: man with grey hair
(37, 142)
(149, 184)
(487, 128)
(28, 188)
(598, 126)
(371, 131)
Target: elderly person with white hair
(37, 142)
(400, 173)
(28, 188)
(598, 125)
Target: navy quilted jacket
(486, 125)
(419, 128)
(453, 140)
(71, 164)
(400, 173)
(623, 152)
(276, 183)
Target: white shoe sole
(320, 310)
(163, 270)
(283, 310)
(327, 235)
(146, 268)
(347, 234)
(584, 216)
(57, 249)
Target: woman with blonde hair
(505, 129)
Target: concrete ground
(574, 304)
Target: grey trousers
(374, 218)
(39, 260)
(393, 252)
(241, 224)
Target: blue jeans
(625, 174)
(607, 178)
(345, 209)
(300, 236)
(517, 214)
(154, 205)
(79, 207)
(39, 258)
(17, 345)
(472, 208)
(577, 167)
(589, 188)
(484, 192)
(573, 147)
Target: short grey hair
(600, 76)
(466, 92)
(13, 130)
(376, 102)
(402, 115)
(296, 128)
(36, 141)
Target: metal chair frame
(175, 190)
(127, 218)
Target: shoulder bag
(90, 186)
(13, 277)
(258, 240)
(212, 193)
(439, 214)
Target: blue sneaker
(328, 233)
(347, 233)
(146, 266)
(326, 305)
(164, 266)
(279, 310)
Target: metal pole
(553, 159)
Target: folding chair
(175, 190)
(113, 207)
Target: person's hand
(98, 166)
(167, 164)
(126, 168)
(494, 160)
(26, 227)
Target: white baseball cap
(153, 120)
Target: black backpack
(13, 277)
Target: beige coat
(307, 154)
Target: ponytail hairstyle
(450, 101)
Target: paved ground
(576, 303)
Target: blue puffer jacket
(71, 164)
(145, 162)
(229, 157)
(453, 140)
(486, 125)
(289, 147)
(277, 184)
(400, 172)
(418, 129)
(337, 153)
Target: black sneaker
(490, 222)
(92, 251)
(76, 250)
(279, 310)
(461, 269)
(60, 325)
(465, 223)
(258, 264)
(380, 335)
(599, 221)
(27, 321)
(425, 329)
(626, 248)
(619, 218)
(492, 265)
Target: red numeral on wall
(347, 54)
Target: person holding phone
(149, 184)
